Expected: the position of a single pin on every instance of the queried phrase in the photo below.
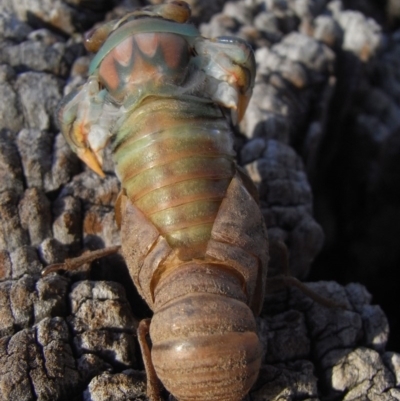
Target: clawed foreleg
(153, 383)
(286, 280)
(75, 263)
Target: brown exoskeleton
(192, 233)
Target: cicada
(192, 233)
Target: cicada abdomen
(192, 233)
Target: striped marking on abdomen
(176, 171)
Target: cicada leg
(75, 263)
(231, 62)
(286, 280)
(85, 117)
(153, 383)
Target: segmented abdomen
(175, 160)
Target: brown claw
(279, 282)
(53, 268)
(75, 263)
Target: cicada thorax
(174, 156)
(142, 62)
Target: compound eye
(95, 38)
(176, 10)
(179, 3)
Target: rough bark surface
(321, 67)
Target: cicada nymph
(192, 233)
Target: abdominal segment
(175, 162)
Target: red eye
(88, 42)
(180, 4)
(95, 38)
(175, 10)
